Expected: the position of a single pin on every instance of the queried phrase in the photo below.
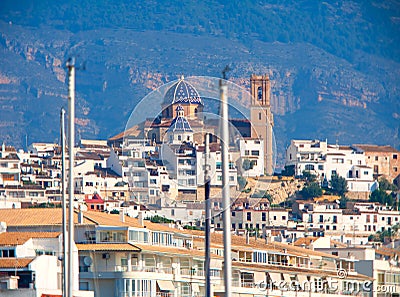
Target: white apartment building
(324, 160)
(251, 149)
(254, 218)
(350, 226)
(10, 170)
(104, 182)
(214, 166)
(29, 262)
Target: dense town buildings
(155, 172)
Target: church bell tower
(261, 117)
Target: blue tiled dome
(182, 92)
(180, 123)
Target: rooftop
(376, 148)
(16, 238)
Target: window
(376, 169)
(320, 167)
(395, 156)
(283, 218)
(395, 169)
(259, 116)
(334, 227)
(309, 167)
(233, 213)
(263, 216)
(255, 153)
(274, 218)
(321, 218)
(8, 253)
(249, 216)
(179, 137)
(376, 158)
(259, 93)
(246, 152)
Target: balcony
(146, 294)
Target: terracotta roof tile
(15, 262)
(376, 148)
(16, 238)
(34, 217)
(305, 240)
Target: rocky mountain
(334, 66)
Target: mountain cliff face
(334, 67)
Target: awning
(259, 277)
(215, 264)
(287, 278)
(165, 285)
(275, 277)
(195, 288)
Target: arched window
(259, 93)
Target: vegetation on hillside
(341, 27)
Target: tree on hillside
(309, 177)
(386, 185)
(311, 190)
(288, 171)
(381, 196)
(338, 185)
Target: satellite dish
(87, 261)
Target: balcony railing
(146, 294)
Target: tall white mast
(226, 208)
(64, 206)
(71, 119)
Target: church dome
(180, 123)
(182, 92)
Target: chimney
(122, 215)
(247, 237)
(140, 218)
